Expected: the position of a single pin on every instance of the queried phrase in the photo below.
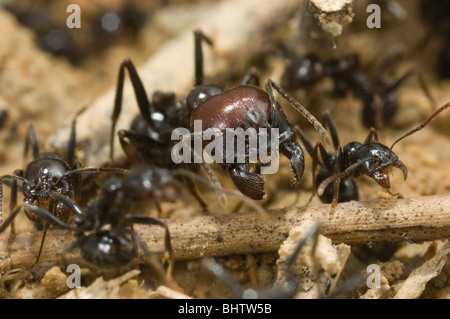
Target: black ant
(378, 96)
(46, 174)
(370, 158)
(104, 232)
(244, 106)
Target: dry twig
(415, 219)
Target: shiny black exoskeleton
(370, 158)
(329, 165)
(104, 232)
(378, 95)
(46, 175)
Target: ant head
(378, 161)
(200, 94)
(47, 174)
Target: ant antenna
(421, 126)
(117, 170)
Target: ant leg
(141, 98)
(73, 139)
(304, 139)
(199, 37)
(131, 153)
(300, 108)
(147, 220)
(142, 148)
(337, 170)
(371, 137)
(71, 157)
(218, 271)
(252, 74)
(250, 184)
(312, 152)
(294, 153)
(12, 207)
(329, 123)
(31, 142)
(190, 183)
(52, 210)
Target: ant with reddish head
(371, 158)
(47, 174)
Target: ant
(246, 107)
(46, 174)
(243, 106)
(116, 245)
(379, 97)
(370, 158)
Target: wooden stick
(414, 220)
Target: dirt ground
(48, 88)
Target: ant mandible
(370, 158)
(116, 245)
(48, 173)
(379, 97)
(244, 106)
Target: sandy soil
(47, 90)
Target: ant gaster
(48, 173)
(244, 106)
(104, 232)
(370, 158)
(379, 97)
